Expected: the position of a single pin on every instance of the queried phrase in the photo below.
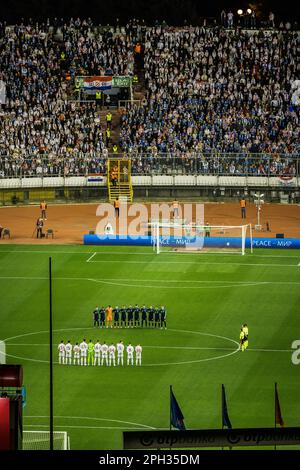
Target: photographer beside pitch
(39, 227)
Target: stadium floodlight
(249, 11)
(258, 202)
(240, 12)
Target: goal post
(182, 237)
(40, 440)
(2, 352)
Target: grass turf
(204, 295)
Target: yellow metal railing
(119, 169)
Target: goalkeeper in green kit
(90, 353)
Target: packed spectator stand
(41, 130)
(216, 90)
(218, 100)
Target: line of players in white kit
(86, 354)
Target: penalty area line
(91, 257)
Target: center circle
(232, 351)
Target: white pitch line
(56, 426)
(190, 281)
(120, 253)
(217, 349)
(170, 347)
(91, 257)
(162, 283)
(88, 418)
(150, 253)
(270, 350)
(153, 364)
(271, 265)
(234, 351)
(179, 281)
(44, 252)
(149, 286)
(144, 346)
(39, 252)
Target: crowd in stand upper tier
(208, 90)
(216, 89)
(37, 118)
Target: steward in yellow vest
(108, 119)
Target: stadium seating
(213, 96)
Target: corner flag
(278, 416)
(176, 416)
(225, 418)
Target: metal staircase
(119, 180)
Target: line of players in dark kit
(130, 317)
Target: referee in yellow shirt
(246, 332)
(242, 340)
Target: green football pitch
(207, 297)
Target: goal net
(40, 440)
(182, 237)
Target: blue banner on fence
(95, 179)
(213, 242)
(117, 240)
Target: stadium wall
(209, 242)
(156, 187)
(188, 181)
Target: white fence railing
(149, 164)
(154, 181)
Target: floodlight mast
(258, 202)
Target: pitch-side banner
(211, 438)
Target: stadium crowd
(216, 90)
(38, 65)
(208, 91)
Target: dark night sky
(173, 11)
